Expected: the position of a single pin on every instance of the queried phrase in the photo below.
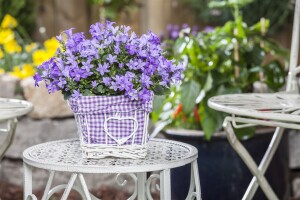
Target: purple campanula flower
(37, 78)
(145, 80)
(96, 32)
(114, 57)
(76, 94)
(94, 84)
(114, 86)
(87, 65)
(69, 32)
(145, 95)
(111, 59)
(62, 82)
(121, 65)
(103, 68)
(106, 81)
(132, 94)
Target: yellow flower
(2, 71)
(30, 47)
(6, 35)
(25, 71)
(12, 47)
(9, 22)
(51, 45)
(1, 54)
(40, 56)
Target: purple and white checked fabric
(91, 112)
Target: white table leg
(195, 190)
(69, 186)
(141, 185)
(48, 185)
(84, 187)
(165, 185)
(27, 180)
(248, 160)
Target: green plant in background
(23, 11)
(111, 9)
(228, 59)
(275, 10)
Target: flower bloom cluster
(18, 57)
(114, 61)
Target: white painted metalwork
(65, 156)
(10, 109)
(279, 110)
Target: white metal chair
(281, 110)
(10, 109)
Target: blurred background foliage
(277, 11)
(23, 10)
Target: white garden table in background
(66, 156)
(10, 109)
(281, 110)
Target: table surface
(11, 108)
(65, 155)
(276, 106)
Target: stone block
(45, 105)
(8, 86)
(31, 132)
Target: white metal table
(279, 110)
(66, 156)
(10, 109)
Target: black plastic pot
(223, 175)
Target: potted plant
(109, 81)
(228, 59)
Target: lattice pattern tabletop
(279, 107)
(65, 155)
(11, 108)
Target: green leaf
(245, 133)
(257, 27)
(211, 120)
(158, 103)
(67, 95)
(179, 45)
(160, 90)
(87, 92)
(190, 92)
(274, 75)
(100, 89)
(209, 82)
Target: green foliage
(219, 11)
(23, 11)
(114, 7)
(228, 59)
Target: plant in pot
(229, 59)
(109, 81)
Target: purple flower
(118, 60)
(106, 81)
(94, 84)
(111, 59)
(76, 94)
(37, 78)
(145, 95)
(102, 69)
(69, 32)
(145, 80)
(96, 32)
(132, 94)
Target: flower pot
(223, 174)
(111, 126)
